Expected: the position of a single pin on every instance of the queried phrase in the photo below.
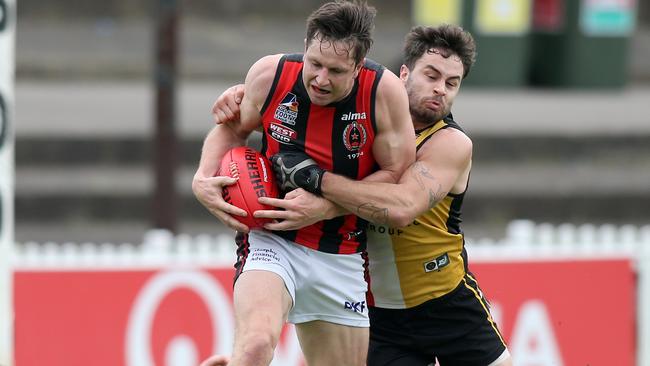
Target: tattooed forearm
(426, 181)
(420, 172)
(436, 196)
(375, 214)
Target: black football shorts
(457, 329)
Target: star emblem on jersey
(354, 136)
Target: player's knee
(259, 344)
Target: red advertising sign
(564, 313)
(133, 318)
(552, 313)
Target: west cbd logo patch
(281, 134)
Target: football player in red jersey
(426, 305)
(348, 114)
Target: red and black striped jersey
(338, 136)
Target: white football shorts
(323, 286)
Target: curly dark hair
(447, 39)
(348, 21)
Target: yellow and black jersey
(423, 261)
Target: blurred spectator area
(224, 9)
(84, 120)
(214, 9)
(218, 39)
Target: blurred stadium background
(85, 116)
(557, 107)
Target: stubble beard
(423, 115)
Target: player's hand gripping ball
(256, 179)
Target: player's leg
(331, 313)
(324, 343)
(262, 296)
(261, 304)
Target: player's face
(329, 71)
(432, 86)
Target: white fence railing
(523, 240)
(158, 248)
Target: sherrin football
(256, 179)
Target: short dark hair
(348, 21)
(450, 38)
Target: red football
(256, 179)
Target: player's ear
(357, 68)
(404, 73)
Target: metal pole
(7, 67)
(166, 148)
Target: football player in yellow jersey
(425, 305)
